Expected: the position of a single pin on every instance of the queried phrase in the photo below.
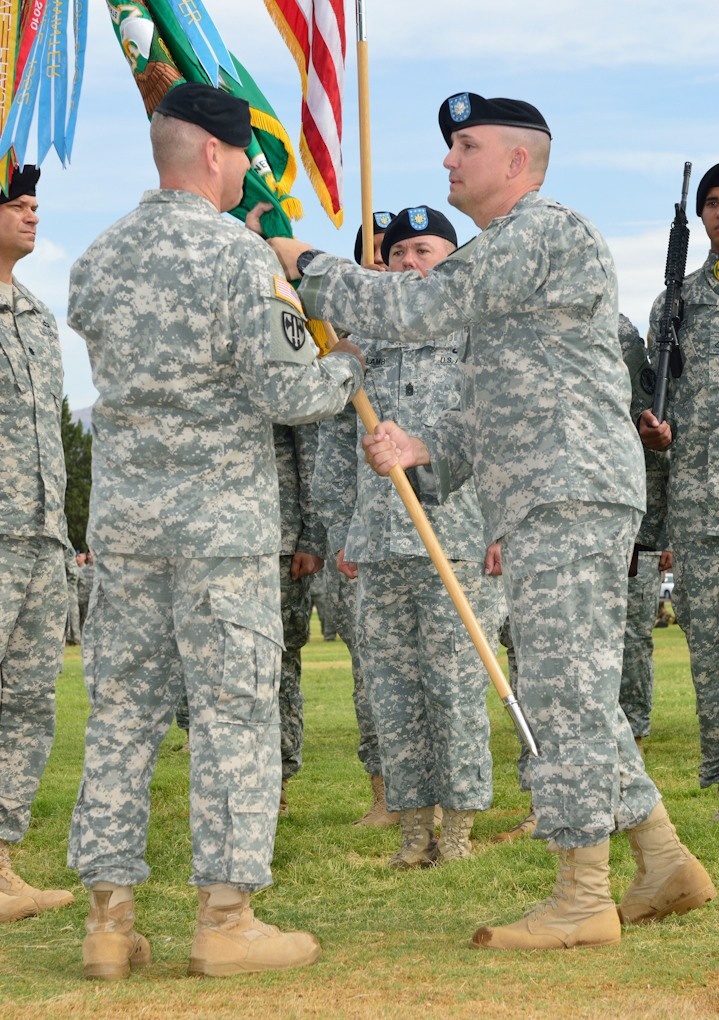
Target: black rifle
(667, 342)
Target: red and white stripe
(314, 30)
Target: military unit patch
(294, 329)
(715, 270)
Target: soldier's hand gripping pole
(449, 578)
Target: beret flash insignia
(418, 218)
(459, 107)
(382, 219)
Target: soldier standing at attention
(301, 556)
(558, 467)
(197, 345)
(692, 428)
(33, 537)
(426, 684)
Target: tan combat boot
(378, 815)
(18, 899)
(453, 843)
(419, 848)
(669, 879)
(580, 912)
(112, 947)
(229, 939)
(524, 828)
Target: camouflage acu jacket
(546, 391)
(197, 345)
(693, 409)
(32, 466)
(412, 385)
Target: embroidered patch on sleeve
(286, 292)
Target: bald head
(189, 158)
(176, 144)
(537, 144)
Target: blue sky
(628, 89)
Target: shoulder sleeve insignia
(294, 330)
(286, 292)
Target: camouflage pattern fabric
(537, 289)
(301, 530)
(426, 685)
(32, 467)
(695, 599)
(636, 692)
(653, 529)
(33, 533)
(295, 606)
(334, 486)
(589, 777)
(196, 346)
(33, 610)
(414, 693)
(203, 336)
(152, 622)
(72, 627)
(84, 587)
(693, 495)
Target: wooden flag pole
(365, 142)
(444, 568)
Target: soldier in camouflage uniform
(33, 536)
(426, 684)
(301, 556)
(636, 692)
(558, 467)
(334, 485)
(197, 345)
(693, 420)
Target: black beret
(22, 182)
(467, 109)
(223, 116)
(381, 222)
(416, 222)
(709, 180)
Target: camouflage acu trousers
(636, 692)
(565, 573)
(152, 621)
(345, 616)
(696, 603)
(33, 611)
(425, 681)
(296, 606)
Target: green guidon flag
(168, 41)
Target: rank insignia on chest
(294, 329)
(715, 270)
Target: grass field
(395, 944)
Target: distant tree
(77, 444)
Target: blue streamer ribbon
(204, 38)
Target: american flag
(314, 30)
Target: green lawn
(395, 943)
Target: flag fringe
(262, 120)
(318, 183)
(290, 40)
